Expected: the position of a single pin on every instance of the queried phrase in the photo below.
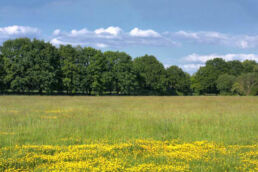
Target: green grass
(62, 120)
(128, 133)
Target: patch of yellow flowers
(139, 155)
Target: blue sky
(177, 32)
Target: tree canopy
(37, 67)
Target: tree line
(37, 67)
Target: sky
(178, 32)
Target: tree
(31, 65)
(16, 56)
(120, 76)
(109, 76)
(2, 74)
(36, 66)
(178, 81)
(256, 69)
(95, 70)
(196, 87)
(246, 84)
(84, 56)
(69, 60)
(207, 76)
(44, 70)
(151, 74)
(224, 83)
(249, 66)
(124, 74)
(236, 68)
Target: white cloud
(199, 58)
(114, 36)
(203, 58)
(216, 38)
(144, 33)
(18, 30)
(244, 44)
(110, 37)
(57, 32)
(55, 41)
(190, 35)
(246, 41)
(12, 32)
(202, 37)
(81, 32)
(191, 67)
(115, 31)
(100, 45)
(59, 41)
(193, 62)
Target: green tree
(69, 60)
(207, 76)
(246, 84)
(178, 81)
(249, 66)
(196, 87)
(109, 76)
(124, 74)
(34, 65)
(224, 83)
(256, 68)
(97, 67)
(16, 55)
(2, 73)
(44, 70)
(84, 56)
(120, 75)
(236, 68)
(151, 74)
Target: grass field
(128, 133)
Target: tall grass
(50, 120)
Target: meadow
(77, 133)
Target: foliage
(122, 78)
(96, 71)
(85, 55)
(178, 81)
(2, 74)
(37, 67)
(151, 74)
(249, 66)
(246, 84)
(207, 76)
(44, 71)
(236, 68)
(224, 83)
(69, 58)
(16, 63)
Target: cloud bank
(216, 38)
(193, 62)
(11, 32)
(228, 57)
(144, 33)
(116, 37)
(111, 37)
